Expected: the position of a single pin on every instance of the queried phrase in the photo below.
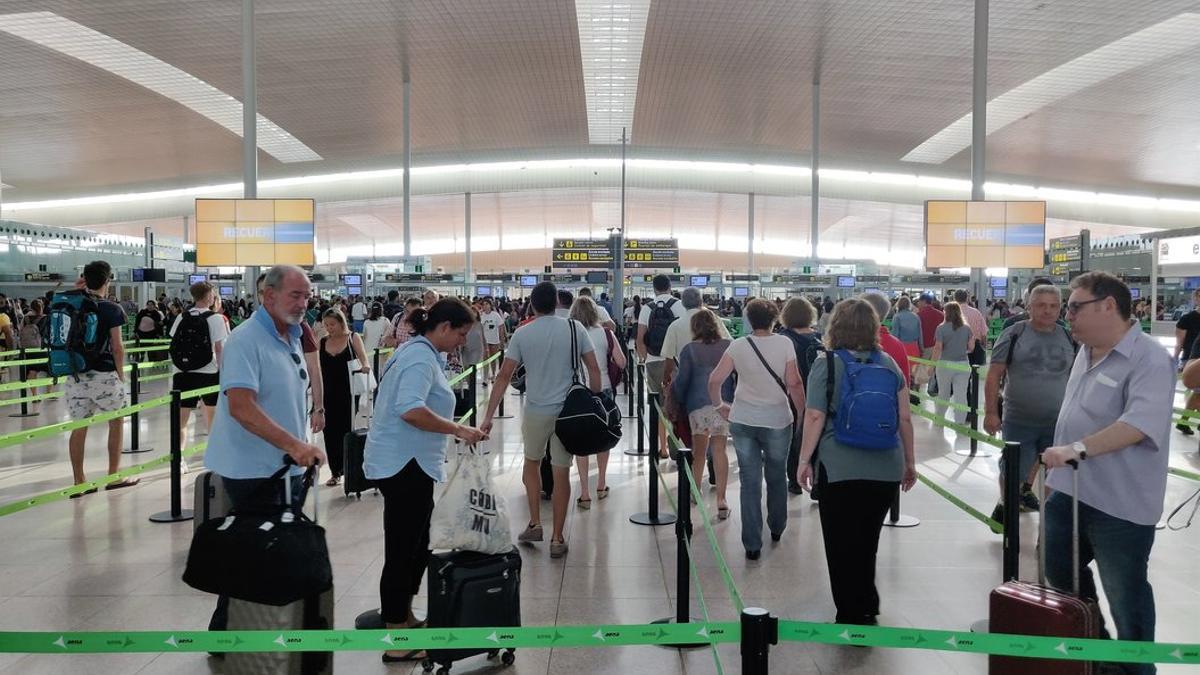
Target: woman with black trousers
(857, 484)
(406, 453)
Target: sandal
(722, 513)
(583, 504)
(333, 482)
(128, 482)
(602, 493)
(77, 495)
(410, 655)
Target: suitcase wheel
(508, 657)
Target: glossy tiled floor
(97, 563)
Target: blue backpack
(867, 414)
(72, 333)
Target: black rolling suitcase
(354, 480)
(469, 589)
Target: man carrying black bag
(261, 412)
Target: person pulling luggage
(406, 453)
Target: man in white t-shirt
(651, 334)
(358, 313)
(680, 332)
(494, 335)
(605, 318)
(193, 368)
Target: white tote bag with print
(468, 515)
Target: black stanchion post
(134, 430)
(973, 416)
(652, 516)
(23, 370)
(375, 373)
(639, 413)
(683, 535)
(630, 384)
(1012, 510)
(895, 518)
(760, 630)
(177, 514)
(472, 381)
(500, 413)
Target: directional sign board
(651, 253)
(582, 253)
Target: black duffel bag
(273, 556)
(589, 423)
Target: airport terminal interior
(752, 158)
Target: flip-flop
(410, 655)
(722, 513)
(122, 484)
(602, 493)
(85, 492)
(333, 482)
(584, 504)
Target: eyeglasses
(1074, 307)
(296, 359)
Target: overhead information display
(598, 254)
(985, 234)
(1179, 250)
(241, 232)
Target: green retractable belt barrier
(961, 429)
(948, 365)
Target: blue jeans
(1033, 440)
(1121, 550)
(761, 453)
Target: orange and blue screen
(241, 232)
(985, 234)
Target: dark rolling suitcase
(472, 589)
(314, 612)
(1023, 608)
(209, 499)
(354, 480)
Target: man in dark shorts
(204, 298)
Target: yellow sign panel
(962, 233)
(241, 232)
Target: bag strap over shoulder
(574, 354)
(766, 365)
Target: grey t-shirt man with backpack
(1032, 361)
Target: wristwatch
(1080, 449)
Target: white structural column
(407, 170)
(618, 246)
(469, 276)
(814, 169)
(979, 120)
(249, 104)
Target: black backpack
(807, 347)
(661, 317)
(191, 345)
(589, 423)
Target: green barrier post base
(177, 514)
(683, 534)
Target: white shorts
(708, 422)
(95, 392)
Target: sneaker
(558, 549)
(776, 536)
(753, 555)
(531, 534)
(1029, 501)
(1185, 430)
(998, 516)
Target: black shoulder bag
(589, 423)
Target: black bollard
(1012, 510)
(500, 413)
(760, 630)
(895, 518)
(134, 430)
(973, 416)
(472, 381)
(375, 373)
(639, 413)
(177, 514)
(652, 516)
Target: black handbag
(589, 423)
(273, 556)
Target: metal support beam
(750, 233)
(979, 101)
(467, 222)
(249, 105)
(814, 166)
(407, 169)
(618, 282)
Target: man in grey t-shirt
(1032, 359)
(544, 347)
(1115, 427)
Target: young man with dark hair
(544, 346)
(204, 318)
(652, 326)
(101, 387)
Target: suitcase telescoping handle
(310, 476)
(1074, 525)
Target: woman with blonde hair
(584, 310)
(953, 343)
(857, 484)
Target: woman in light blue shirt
(406, 452)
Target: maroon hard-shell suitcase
(1024, 608)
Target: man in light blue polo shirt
(1115, 424)
(261, 412)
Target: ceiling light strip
(993, 190)
(610, 46)
(97, 49)
(1160, 41)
